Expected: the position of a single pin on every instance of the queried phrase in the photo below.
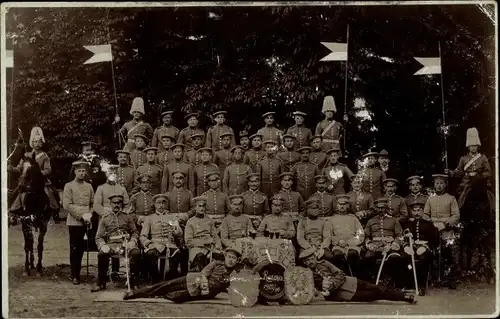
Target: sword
(408, 234)
(127, 266)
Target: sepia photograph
(250, 159)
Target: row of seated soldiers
(339, 237)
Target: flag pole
(445, 130)
(345, 88)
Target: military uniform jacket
(163, 130)
(134, 127)
(255, 203)
(141, 204)
(160, 231)
(270, 169)
(422, 229)
(318, 158)
(200, 235)
(390, 172)
(111, 226)
(344, 227)
(95, 176)
(304, 173)
(271, 133)
(223, 159)
(185, 136)
(77, 200)
(442, 208)
(42, 160)
(101, 198)
(138, 158)
(372, 179)
(360, 201)
(217, 203)
(213, 136)
(126, 177)
(342, 287)
(302, 135)
(167, 182)
(412, 198)
(397, 206)
(217, 274)
(277, 224)
(253, 157)
(179, 200)
(193, 157)
(164, 157)
(289, 158)
(338, 182)
(156, 173)
(383, 226)
(292, 202)
(234, 227)
(310, 233)
(234, 180)
(332, 134)
(199, 180)
(326, 202)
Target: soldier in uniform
(293, 203)
(255, 203)
(235, 225)
(162, 235)
(336, 171)
(256, 154)
(329, 129)
(141, 203)
(154, 170)
(165, 156)
(137, 155)
(383, 161)
(78, 196)
(223, 155)
(344, 233)
(217, 201)
(115, 229)
(269, 131)
(214, 134)
(317, 155)
(95, 176)
(425, 237)
(234, 181)
(442, 210)
(325, 199)
(176, 165)
(190, 130)
(136, 125)
(102, 205)
(201, 236)
(125, 173)
(395, 203)
(301, 133)
(372, 177)
(276, 225)
(166, 129)
(269, 170)
(415, 185)
(361, 203)
(199, 181)
(383, 234)
(288, 156)
(193, 156)
(304, 172)
(244, 141)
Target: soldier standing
(361, 203)
(301, 133)
(200, 172)
(154, 170)
(288, 156)
(256, 154)
(336, 171)
(293, 203)
(269, 170)
(329, 129)
(317, 155)
(304, 172)
(193, 156)
(141, 203)
(136, 125)
(190, 130)
(415, 185)
(372, 177)
(395, 203)
(223, 155)
(137, 155)
(166, 129)
(166, 156)
(214, 134)
(234, 181)
(125, 172)
(325, 199)
(269, 131)
(176, 165)
(217, 201)
(255, 203)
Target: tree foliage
(249, 60)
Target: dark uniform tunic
(339, 172)
(164, 157)
(156, 173)
(223, 159)
(134, 127)
(234, 227)
(293, 203)
(214, 141)
(271, 133)
(269, 170)
(397, 206)
(361, 202)
(255, 203)
(138, 158)
(126, 177)
(193, 157)
(330, 132)
(326, 203)
(304, 173)
(234, 181)
(163, 130)
(185, 136)
(302, 135)
(372, 179)
(412, 198)
(253, 157)
(179, 200)
(199, 181)
(289, 158)
(319, 158)
(167, 182)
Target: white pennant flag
(339, 51)
(9, 59)
(431, 66)
(102, 53)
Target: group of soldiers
(187, 196)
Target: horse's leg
(28, 244)
(42, 230)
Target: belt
(253, 216)
(327, 140)
(388, 239)
(216, 216)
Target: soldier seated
(115, 234)
(217, 201)
(235, 225)
(255, 203)
(425, 238)
(141, 203)
(395, 203)
(162, 235)
(201, 236)
(276, 225)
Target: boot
(98, 287)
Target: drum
(247, 248)
(299, 285)
(275, 251)
(244, 288)
(272, 281)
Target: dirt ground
(53, 295)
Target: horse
(34, 212)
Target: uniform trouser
(346, 262)
(103, 264)
(369, 292)
(152, 256)
(422, 264)
(392, 265)
(451, 260)
(184, 256)
(76, 249)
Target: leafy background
(249, 60)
